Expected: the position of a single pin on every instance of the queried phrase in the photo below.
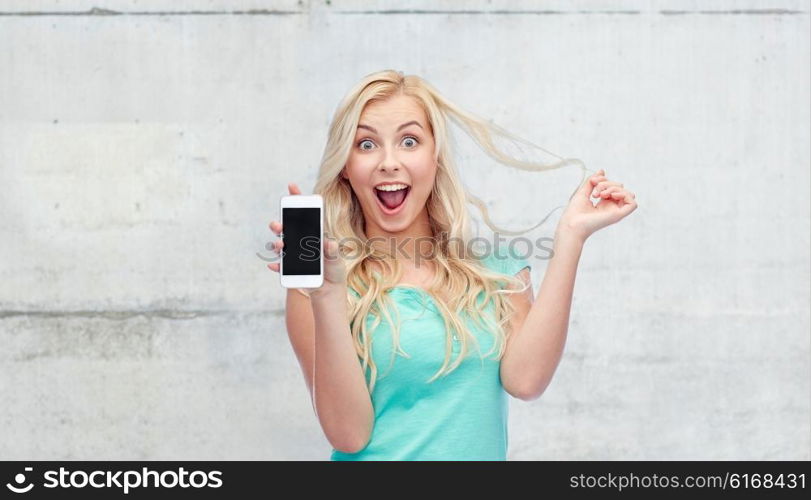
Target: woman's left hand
(582, 217)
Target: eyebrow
(401, 127)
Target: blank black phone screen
(301, 233)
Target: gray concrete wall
(144, 145)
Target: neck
(411, 245)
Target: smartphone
(302, 263)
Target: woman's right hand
(334, 268)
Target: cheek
(356, 173)
(426, 177)
(363, 160)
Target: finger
(604, 184)
(595, 192)
(607, 192)
(626, 196)
(277, 246)
(293, 188)
(587, 185)
(620, 196)
(628, 207)
(597, 178)
(629, 196)
(276, 227)
(330, 248)
(274, 266)
(594, 182)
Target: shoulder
(505, 261)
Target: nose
(389, 162)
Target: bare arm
(532, 356)
(322, 342)
(534, 351)
(342, 400)
(319, 333)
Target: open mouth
(392, 196)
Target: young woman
(415, 339)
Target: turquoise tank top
(460, 416)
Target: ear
(343, 173)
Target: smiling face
(391, 167)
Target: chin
(395, 227)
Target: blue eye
(411, 137)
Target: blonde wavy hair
(460, 273)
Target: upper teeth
(391, 187)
